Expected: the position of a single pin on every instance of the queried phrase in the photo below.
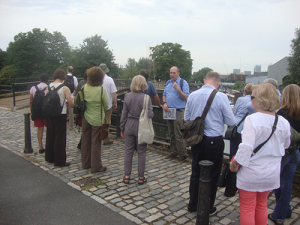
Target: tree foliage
(93, 52)
(3, 57)
(167, 55)
(36, 51)
(200, 75)
(238, 85)
(294, 60)
(130, 69)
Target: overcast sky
(220, 34)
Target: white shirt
(110, 87)
(262, 171)
(75, 82)
(40, 86)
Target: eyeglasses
(252, 97)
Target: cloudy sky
(220, 34)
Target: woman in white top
(56, 126)
(261, 173)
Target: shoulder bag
(193, 130)
(232, 130)
(226, 177)
(146, 131)
(104, 126)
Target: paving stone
(138, 210)
(182, 220)
(166, 212)
(160, 222)
(225, 221)
(233, 215)
(170, 218)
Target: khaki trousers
(108, 121)
(177, 144)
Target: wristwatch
(163, 103)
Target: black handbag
(232, 130)
(193, 130)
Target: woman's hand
(234, 166)
(122, 134)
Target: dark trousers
(210, 148)
(230, 188)
(56, 139)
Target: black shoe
(63, 164)
(42, 151)
(213, 211)
(108, 143)
(171, 156)
(182, 158)
(192, 210)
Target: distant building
(237, 77)
(279, 70)
(257, 78)
(257, 68)
(237, 71)
(247, 72)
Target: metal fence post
(14, 94)
(28, 148)
(204, 193)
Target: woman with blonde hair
(290, 109)
(129, 125)
(94, 96)
(259, 173)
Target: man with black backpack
(72, 83)
(37, 93)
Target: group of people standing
(255, 175)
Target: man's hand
(115, 106)
(175, 86)
(165, 107)
(123, 134)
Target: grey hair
(271, 81)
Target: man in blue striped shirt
(212, 146)
(175, 96)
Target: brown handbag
(104, 127)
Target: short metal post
(119, 111)
(14, 94)
(28, 148)
(204, 193)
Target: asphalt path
(30, 195)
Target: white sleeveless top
(61, 96)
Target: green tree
(200, 75)
(130, 69)
(167, 55)
(36, 51)
(3, 59)
(93, 52)
(238, 85)
(294, 60)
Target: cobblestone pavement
(162, 200)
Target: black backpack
(37, 103)
(70, 83)
(51, 102)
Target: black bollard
(28, 148)
(204, 193)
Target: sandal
(142, 180)
(275, 221)
(126, 179)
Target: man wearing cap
(111, 90)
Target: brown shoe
(182, 158)
(171, 156)
(108, 143)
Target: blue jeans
(283, 194)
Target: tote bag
(146, 132)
